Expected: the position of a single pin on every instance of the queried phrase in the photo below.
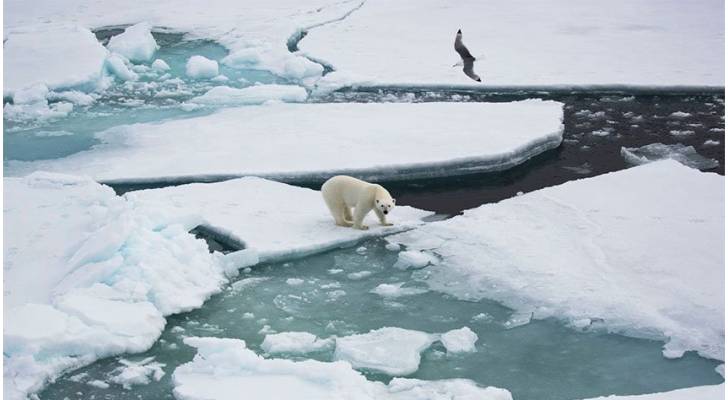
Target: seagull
(468, 59)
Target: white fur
(341, 193)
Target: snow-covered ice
(259, 94)
(224, 368)
(394, 290)
(267, 140)
(137, 372)
(708, 392)
(136, 43)
(685, 155)
(160, 65)
(639, 250)
(107, 276)
(200, 67)
(642, 43)
(273, 219)
(459, 340)
(117, 66)
(294, 343)
(390, 350)
(414, 260)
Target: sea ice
(116, 65)
(137, 372)
(459, 340)
(451, 138)
(709, 392)
(685, 155)
(199, 67)
(606, 230)
(394, 290)
(414, 260)
(294, 343)
(390, 350)
(160, 65)
(259, 94)
(224, 368)
(136, 43)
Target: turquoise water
(541, 360)
(154, 97)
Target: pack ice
(316, 141)
(224, 368)
(637, 252)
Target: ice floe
(518, 46)
(459, 340)
(685, 155)
(267, 140)
(259, 94)
(136, 43)
(394, 290)
(294, 343)
(414, 260)
(137, 372)
(709, 392)
(199, 67)
(389, 350)
(639, 252)
(224, 368)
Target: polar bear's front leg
(382, 217)
(361, 211)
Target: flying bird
(468, 59)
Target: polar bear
(341, 193)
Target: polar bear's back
(346, 188)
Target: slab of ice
(371, 140)
(160, 65)
(294, 343)
(640, 249)
(414, 260)
(685, 155)
(107, 276)
(224, 368)
(394, 290)
(389, 350)
(199, 67)
(116, 66)
(136, 43)
(519, 43)
(224, 95)
(59, 58)
(274, 219)
(459, 340)
(709, 392)
(137, 372)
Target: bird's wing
(461, 49)
(468, 69)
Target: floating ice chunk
(583, 169)
(199, 67)
(685, 155)
(224, 368)
(355, 276)
(392, 247)
(361, 250)
(98, 384)
(517, 319)
(682, 133)
(259, 94)
(459, 340)
(73, 96)
(294, 343)
(414, 260)
(394, 290)
(720, 370)
(33, 94)
(116, 65)
(220, 78)
(603, 132)
(160, 65)
(137, 372)
(243, 284)
(710, 142)
(136, 43)
(56, 58)
(36, 111)
(680, 114)
(393, 351)
(294, 281)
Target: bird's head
(460, 32)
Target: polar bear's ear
(377, 201)
(394, 201)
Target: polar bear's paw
(361, 227)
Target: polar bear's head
(384, 203)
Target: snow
(199, 67)
(275, 220)
(224, 95)
(642, 43)
(60, 57)
(390, 350)
(459, 340)
(639, 252)
(294, 343)
(137, 372)
(394, 290)
(451, 138)
(414, 260)
(224, 368)
(685, 155)
(136, 43)
(709, 392)
(107, 276)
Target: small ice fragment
(294, 281)
(358, 275)
(395, 290)
(294, 343)
(247, 282)
(335, 294)
(265, 330)
(517, 319)
(160, 65)
(459, 340)
(682, 133)
(685, 155)
(248, 315)
(721, 370)
(485, 317)
(99, 384)
(199, 67)
(680, 114)
(137, 372)
(414, 259)
(117, 66)
(519, 193)
(583, 169)
(220, 78)
(136, 43)
(711, 142)
(177, 329)
(392, 247)
(361, 250)
(581, 323)
(334, 271)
